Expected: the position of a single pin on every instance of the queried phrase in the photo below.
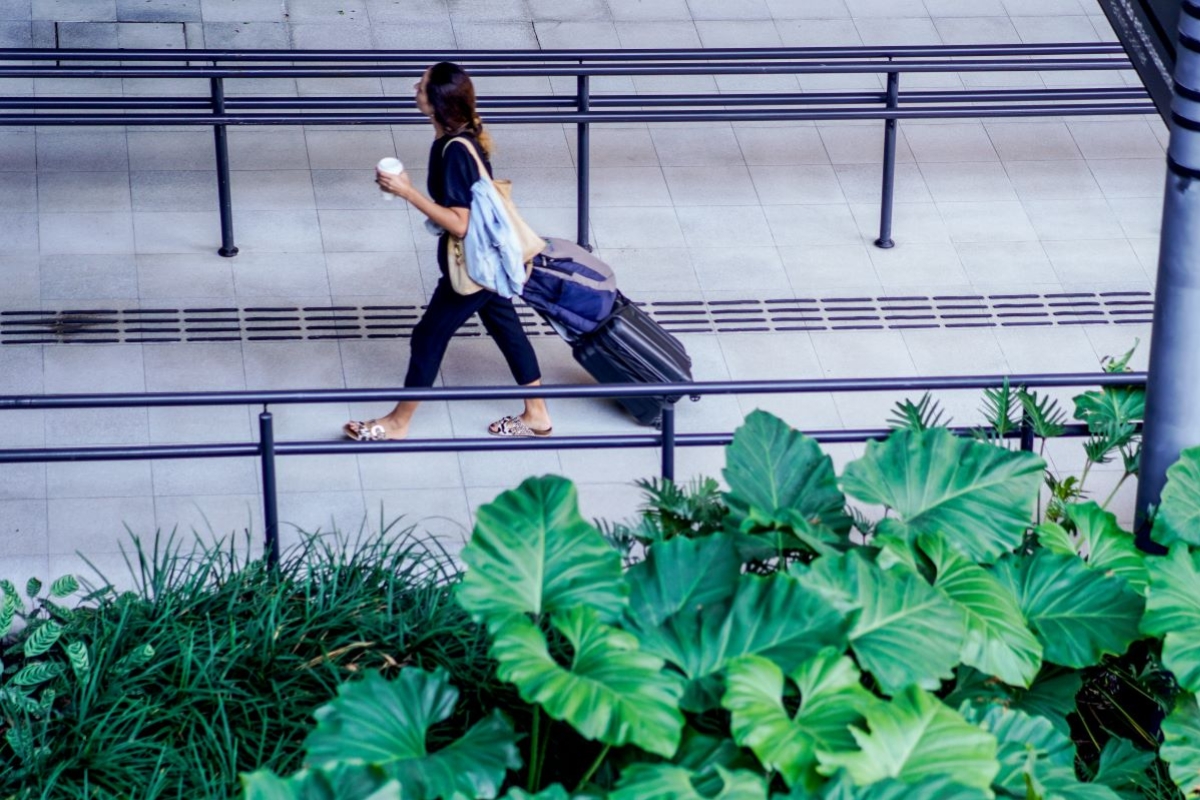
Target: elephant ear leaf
(1178, 517)
(345, 782)
(532, 553)
(1173, 612)
(916, 737)
(998, 640)
(1025, 742)
(906, 632)
(611, 691)
(1181, 744)
(1100, 541)
(1078, 614)
(778, 475)
(980, 495)
(670, 782)
(385, 724)
(1122, 768)
(831, 700)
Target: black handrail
(583, 109)
(267, 449)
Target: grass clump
(214, 664)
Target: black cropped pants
(447, 312)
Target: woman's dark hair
(452, 96)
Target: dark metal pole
(266, 443)
(668, 441)
(583, 184)
(1026, 433)
(889, 165)
(224, 197)
(1172, 413)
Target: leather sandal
(514, 426)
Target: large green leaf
(690, 606)
(998, 640)
(1051, 697)
(1173, 612)
(1110, 408)
(1122, 768)
(669, 782)
(907, 632)
(385, 723)
(612, 691)
(1181, 744)
(1099, 540)
(980, 496)
(916, 737)
(777, 474)
(555, 792)
(1178, 517)
(1078, 614)
(831, 700)
(532, 553)
(347, 782)
(1058, 782)
(842, 788)
(1025, 741)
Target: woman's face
(423, 99)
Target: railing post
(668, 441)
(583, 183)
(1026, 433)
(889, 165)
(266, 444)
(224, 197)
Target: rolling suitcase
(630, 347)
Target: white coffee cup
(391, 166)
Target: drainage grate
(312, 323)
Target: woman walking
(446, 95)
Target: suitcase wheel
(695, 398)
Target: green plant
(212, 665)
(954, 655)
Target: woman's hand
(398, 185)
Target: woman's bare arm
(453, 220)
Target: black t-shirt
(451, 176)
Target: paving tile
(18, 233)
(158, 11)
(754, 271)
(792, 185)
(1013, 263)
(808, 9)
(23, 427)
(16, 34)
(814, 268)
(475, 35)
(174, 191)
(556, 34)
(23, 482)
(208, 517)
(729, 10)
(975, 352)
(892, 31)
(378, 277)
(76, 524)
(169, 278)
(372, 231)
(239, 11)
(95, 233)
(22, 370)
(408, 11)
(1140, 218)
(725, 226)
(694, 186)
(812, 224)
(274, 365)
(444, 514)
(965, 8)
(1045, 30)
(15, 10)
(80, 10)
(436, 35)
(268, 150)
(952, 142)
(18, 191)
(636, 227)
(171, 150)
(17, 152)
(886, 8)
(215, 424)
(278, 231)
(818, 33)
(918, 263)
(1094, 260)
(862, 183)
(335, 473)
(1130, 177)
(1071, 219)
(1133, 139)
(649, 34)
(178, 231)
(99, 479)
(91, 191)
(860, 144)
(1052, 180)
(81, 152)
(628, 186)
(23, 529)
(89, 277)
(987, 222)
(980, 181)
(652, 269)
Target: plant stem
(587, 776)
(1113, 493)
(534, 742)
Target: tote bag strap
(483, 173)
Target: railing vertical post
(889, 165)
(224, 196)
(1026, 433)
(583, 183)
(668, 441)
(266, 444)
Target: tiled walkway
(117, 219)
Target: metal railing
(218, 109)
(667, 439)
